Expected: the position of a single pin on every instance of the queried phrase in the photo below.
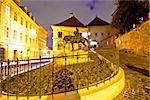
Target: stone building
(102, 32)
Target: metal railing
(44, 76)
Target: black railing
(44, 76)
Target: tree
(130, 12)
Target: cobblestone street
(137, 85)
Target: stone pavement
(137, 85)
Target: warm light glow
(92, 43)
(119, 42)
(33, 33)
(133, 25)
(107, 43)
(86, 34)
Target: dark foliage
(130, 12)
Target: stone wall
(137, 40)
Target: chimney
(71, 14)
(24, 8)
(33, 18)
(29, 14)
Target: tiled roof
(97, 21)
(73, 21)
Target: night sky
(49, 12)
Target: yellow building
(62, 29)
(19, 33)
(42, 37)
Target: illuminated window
(15, 16)
(15, 35)
(21, 36)
(107, 43)
(7, 10)
(21, 21)
(60, 34)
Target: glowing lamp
(32, 33)
(119, 42)
(89, 33)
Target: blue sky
(49, 12)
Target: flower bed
(55, 78)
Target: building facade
(102, 32)
(19, 33)
(44, 51)
(62, 29)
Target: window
(21, 36)
(108, 33)
(30, 27)
(59, 34)
(15, 35)
(7, 10)
(21, 21)
(26, 38)
(15, 16)
(7, 31)
(95, 34)
(26, 24)
(35, 41)
(107, 43)
(102, 34)
(30, 41)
